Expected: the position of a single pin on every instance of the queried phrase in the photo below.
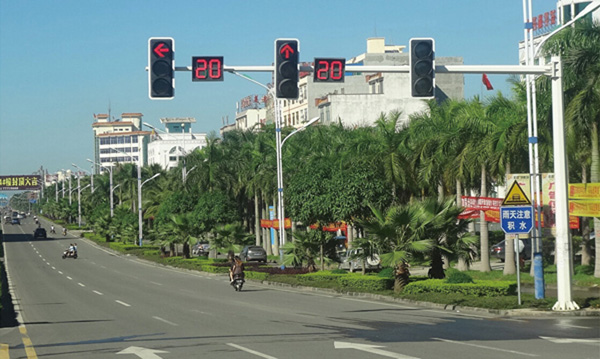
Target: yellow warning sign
(516, 196)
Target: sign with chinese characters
(544, 23)
(516, 219)
(19, 182)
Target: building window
(376, 86)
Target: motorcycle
(238, 282)
(69, 254)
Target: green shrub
(339, 271)
(387, 272)
(365, 283)
(585, 270)
(214, 269)
(322, 276)
(256, 275)
(455, 276)
(479, 288)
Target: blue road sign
(516, 219)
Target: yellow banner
(584, 191)
(589, 208)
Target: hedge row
(481, 288)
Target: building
(167, 147)
(551, 19)
(119, 141)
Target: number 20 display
(329, 70)
(207, 68)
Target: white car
(354, 264)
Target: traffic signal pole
(552, 70)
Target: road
(104, 305)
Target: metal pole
(184, 174)
(564, 259)
(139, 180)
(112, 212)
(79, 198)
(518, 264)
(280, 205)
(70, 199)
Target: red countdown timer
(329, 70)
(207, 68)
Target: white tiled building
(119, 141)
(167, 147)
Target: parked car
(15, 221)
(499, 252)
(200, 249)
(253, 253)
(39, 233)
(349, 262)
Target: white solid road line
(485, 347)
(166, 321)
(123, 303)
(251, 351)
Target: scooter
(238, 282)
(69, 254)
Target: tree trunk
(437, 265)
(462, 264)
(509, 255)
(186, 250)
(595, 178)
(401, 277)
(322, 258)
(483, 228)
(267, 243)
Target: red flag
(486, 82)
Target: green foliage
(365, 283)
(213, 208)
(339, 271)
(386, 273)
(259, 276)
(479, 288)
(455, 276)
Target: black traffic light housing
(286, 68)
(422, 67)
(161, 68)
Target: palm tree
(398, 235)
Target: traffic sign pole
(517, 260)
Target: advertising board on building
(19, 182)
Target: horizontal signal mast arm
(454, 69)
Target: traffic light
(422, 67)
(161, 68)
(286, 68)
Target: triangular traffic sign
(516, 196)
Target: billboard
(20, 182)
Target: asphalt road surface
(104, 305)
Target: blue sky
(62, 61)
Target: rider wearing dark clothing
(236, 269)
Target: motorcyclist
(52, 229)
(71, 250)
(236, 270)
(64, 231)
